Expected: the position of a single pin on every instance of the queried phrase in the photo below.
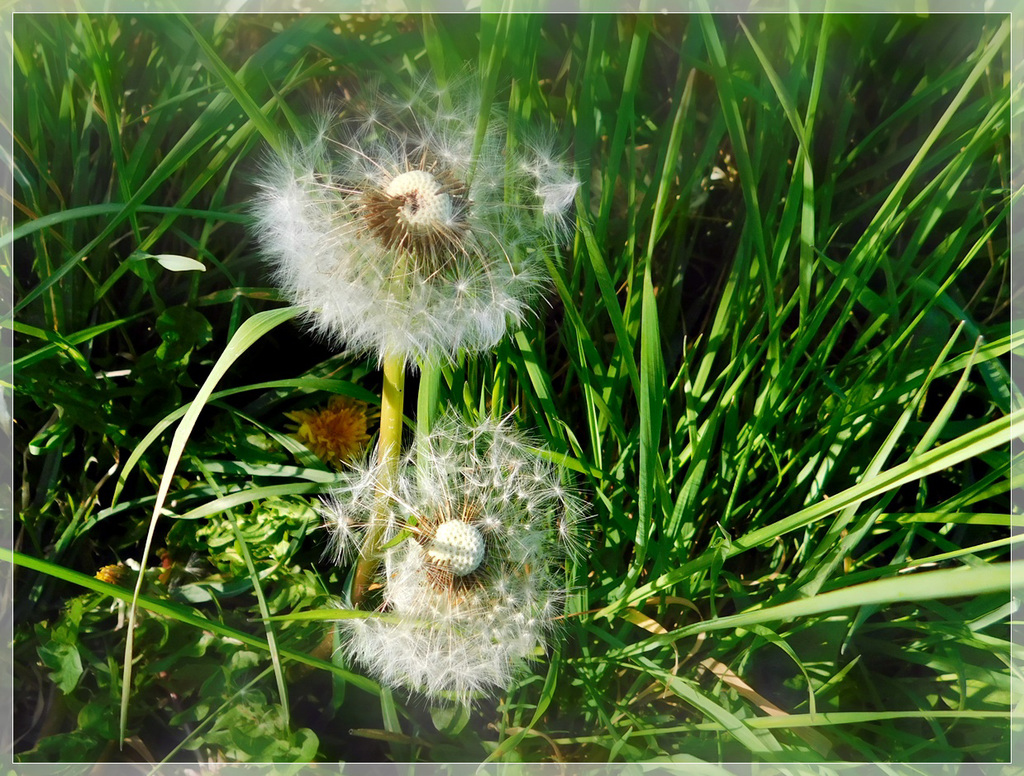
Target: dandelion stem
(389, 445)
(389, 449)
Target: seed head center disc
(425, 204)
(457, 546)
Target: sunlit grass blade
(238, 90)
(247, 334)
(179, 612)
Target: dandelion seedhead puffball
(405, 232)
(478, 530)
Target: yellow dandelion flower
(337, 432)
(113, 574)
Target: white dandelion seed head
(400, 234)
(475, 587)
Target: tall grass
(775, 357)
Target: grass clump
(775, 356)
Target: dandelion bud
(404, 235)
(473, 576)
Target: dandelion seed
(401, 240)
(471, 583)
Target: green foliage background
(775, 355)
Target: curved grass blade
(270, 132)
(761, 743)
(923, 586)
(546, 694)
(178, 612)
(980, 440)
(307, 383)
(89, 211)
(248, 333)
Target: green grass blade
(652, 408)
(611, 303)
(178, 612)
(923, 586)
(238, 90)
(763, 746)
(984, 438)
(247, 334)
(327, 385)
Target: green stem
(429, 398)
(389, 444)
(389, 448)
(428, 402)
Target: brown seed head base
(431, 249)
